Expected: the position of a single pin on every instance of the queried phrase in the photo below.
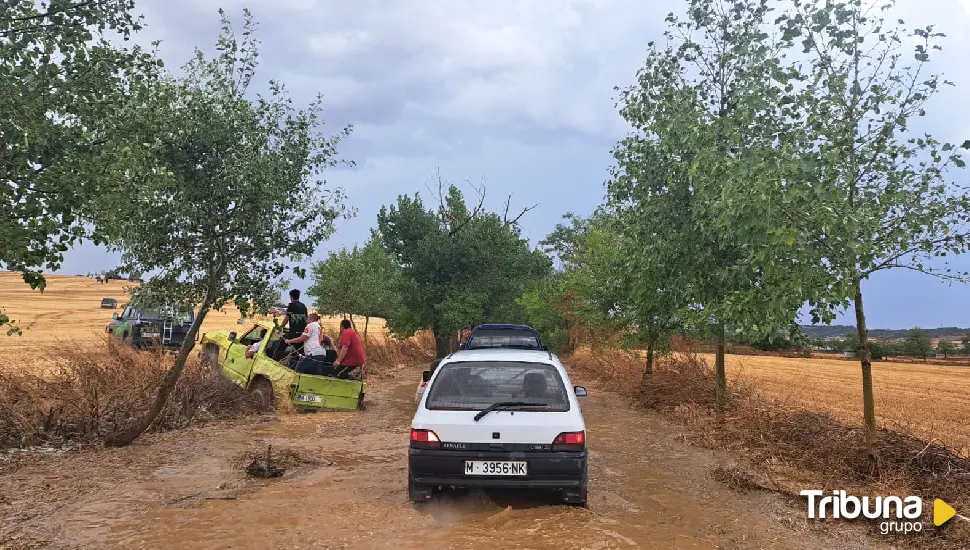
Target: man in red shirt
(351, 353)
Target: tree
(702, 117)
(230, 195)
(871, 194)
(946, 348)
(62, 82)
(609, 291)
(459, 267)
(363, 281)
(918, 343)
(542, 306)
(852, 342)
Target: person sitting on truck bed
(351, 355)
(331, 354)
(314, 353)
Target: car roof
(504, 326)
(505, 354)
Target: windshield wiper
(505, 405)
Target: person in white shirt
(252, 350)
(314, 352)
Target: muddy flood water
(345, 487)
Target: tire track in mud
(647, 490)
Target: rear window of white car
(503, 338)
(474, 385)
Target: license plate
(151, 334)
(494, 468)
(309, 398)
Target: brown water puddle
(187, 490)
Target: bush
(90, 393)
(386, 352)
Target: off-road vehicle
(267, 377)
(151, 327)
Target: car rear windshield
(503, 338)
(474, 385)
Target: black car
(151, 328)
(504, 336)
(109, 303)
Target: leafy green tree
(619, 295)
(460, 267)
(966, 343)
(541, 306)
(872, 193)
(918, 343)
(946, 348)
(878, 350)
(61, 81)
(702, 113)
(231, 194)
(363, 281)
(565, 239)
(852, 342)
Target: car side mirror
(463, 346)
(232, 336)
(114, 315)
(545, 348)
(425, 376)
(580, 391)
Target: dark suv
(155, 327)
(504, 336)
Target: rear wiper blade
(505, 405)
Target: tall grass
(88, 393)
(785, 448)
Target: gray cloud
(517, 91)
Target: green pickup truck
(270, 379)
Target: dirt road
(346, 488)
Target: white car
(499, 418)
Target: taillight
(569, 441)
(424, 439)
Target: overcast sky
(515, 93)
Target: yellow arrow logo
(942, 512)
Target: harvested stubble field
(929, 401)
(68, 313)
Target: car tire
(417, 493)
(262, 390)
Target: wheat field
(931, 401)
(68, 313)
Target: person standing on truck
(295, 319)
(351, 354)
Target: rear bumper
(154, 343)
(546, 470)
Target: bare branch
(522, 213)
